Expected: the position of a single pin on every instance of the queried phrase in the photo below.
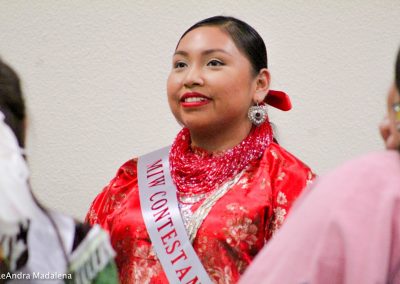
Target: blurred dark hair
(11, 101)
(246, 38)
(13, 107)
(397, 72)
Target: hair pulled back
(11, 101)
(245, 37)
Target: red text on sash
(165, 225)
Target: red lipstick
(194, 99)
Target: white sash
(159, 205)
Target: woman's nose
(194, 77)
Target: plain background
(94, 76)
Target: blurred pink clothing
(346, 229)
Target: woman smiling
(200, 210)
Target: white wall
(94, 75)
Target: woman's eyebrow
(181, 52)
(208, 51)
(205, 52)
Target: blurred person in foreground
(37, 244)
(347, 228)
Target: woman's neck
(220, 139)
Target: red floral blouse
(229, 235)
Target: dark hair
(397, 72)
(246, 38)
(13, 107)
(11, 101)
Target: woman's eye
(179, 64)
(215, 62)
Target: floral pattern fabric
(231, 234)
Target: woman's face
(211, 85)
(393, 140)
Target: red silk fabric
(230, 236)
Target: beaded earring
(257, 114)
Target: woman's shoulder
(126, 174)
(276, 154)
(121, 185)
(285, 168)
(276, 151)
(128, 169)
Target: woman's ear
(262, 85)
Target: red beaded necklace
(196, 171)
